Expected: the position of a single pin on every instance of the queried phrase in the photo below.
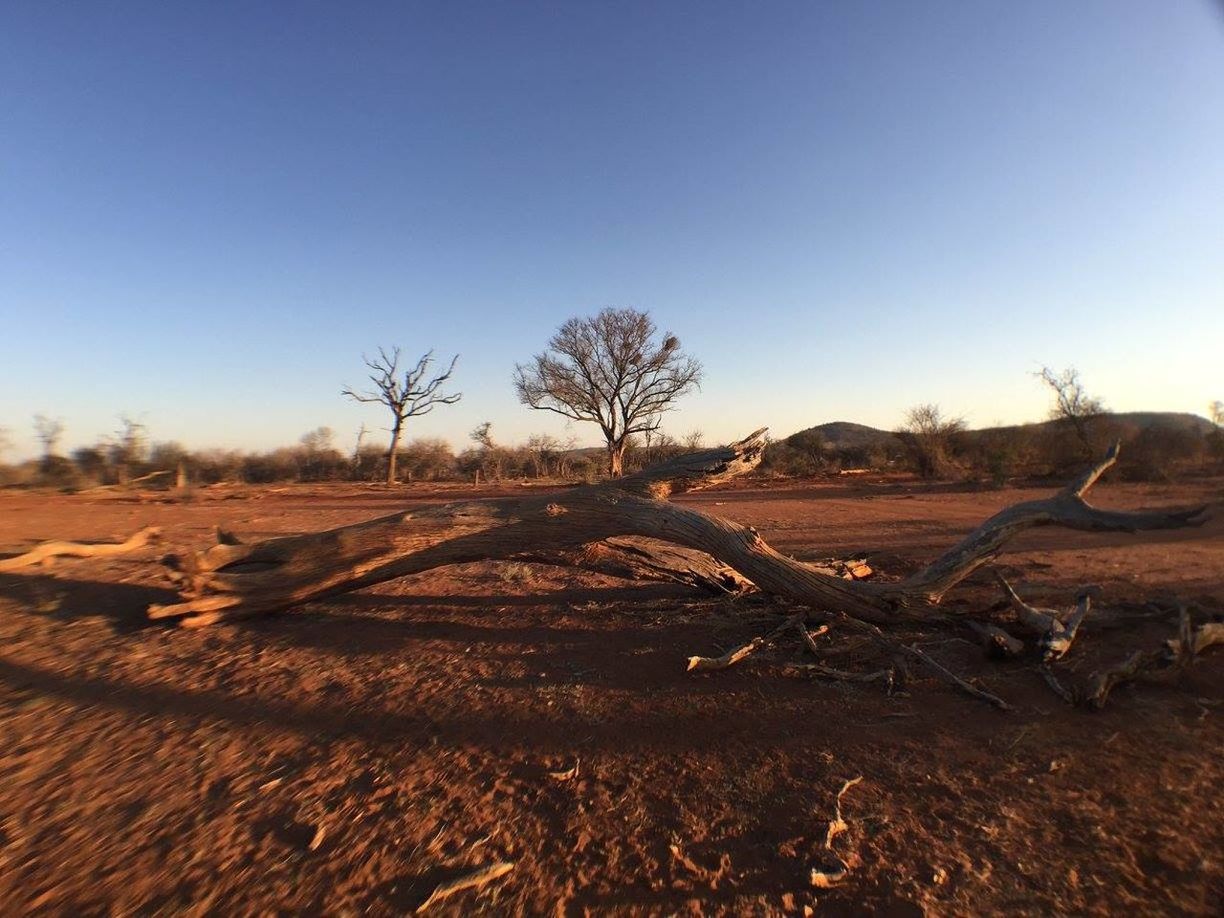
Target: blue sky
(208, 211)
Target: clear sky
(209, 210)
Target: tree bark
(393, 453)
(239, 580)
(616, 459)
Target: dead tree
(609, 370)
(230, 581)
(409, 397)
(48, 431)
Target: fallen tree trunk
(234, 581)
(635, 558)
(645, 559)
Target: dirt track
(349, 757)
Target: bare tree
(693, 441)
(411, 395)
(929, 436)
(490, 456)
(129, 447)
(1216, 409)
(1072, 404)
(609, 370)
(48, 431)
(542, 451)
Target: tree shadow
(62, 598)
(702, 709)
(568, 596)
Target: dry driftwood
(45, 551)
(234, 581)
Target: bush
(932, 441)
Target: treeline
(937, 448)
(131, 457)
(929, 445)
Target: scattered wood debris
(567, 774)
(729, 659)
(479, 877)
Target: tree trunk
(616, 459)
(393, 453)
(228, 580)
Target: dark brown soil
(348, 757)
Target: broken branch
(45, 551)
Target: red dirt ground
(348, 757)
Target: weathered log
(228, 581)
(46, 551)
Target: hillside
(848, 435)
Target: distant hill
(839, 435)
(1136, 420)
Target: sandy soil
(348, 757)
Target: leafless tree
(609, 370)
(929, 436)
(48, 431)
(1216, 409)
(1072, 404)
(489, 456)
(409, 394)
(542, 450)
(129, 446)
(319, 440)
(693, 441)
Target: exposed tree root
(46, 551)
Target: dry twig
(825, 878)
